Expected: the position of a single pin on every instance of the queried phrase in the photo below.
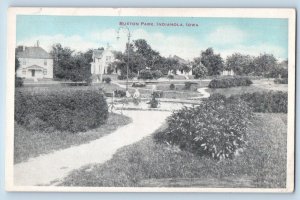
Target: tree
(213, 62)
(69, 65)
(199, 70)
(240, 64)
(18, 80)
(264, 63)
(62, 63)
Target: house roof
(180, 60)
(34, 52)
(97, 53)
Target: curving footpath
(51, 168)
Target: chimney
(37, 43)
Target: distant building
(101, 60)
(182, 62)
(228, 73)
(35, 63)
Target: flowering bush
(216, 128)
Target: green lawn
(146, 163)
(29, 144)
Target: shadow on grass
(30, 143)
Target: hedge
(216, 128)
(266, 102)
(229, 82)
(281, 81)
(64, 109)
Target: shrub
(64, 109)
(153, 102)
(170, 76)
(123, 76)
(18, 82)
(188, 85)
(145, 74)
(107, 80)
(216, 128)
(267, 102)
(172, 86)
(281, 81)
(229, 82)
(156, 74)
(139, 84)
(158, 94)
(120, 93)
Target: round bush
(216, 128)
(107, 80)
(172, 86)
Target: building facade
(102, 58)
(35, 63)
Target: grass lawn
(257, 86)
(29, 144)
(148, 164)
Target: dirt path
(49, 169)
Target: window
(24, 61)
(108, 58)
(24, 71)
(45, 62)
(45, 72)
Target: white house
(35, 63)
(228, 73)
(181, 61)
(101, 60)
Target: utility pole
(128, 49)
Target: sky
(226, 36)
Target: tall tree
(264, 63)
(213, 62)
(240, 64)
(69, 65)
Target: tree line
(75, 66)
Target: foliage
(61, 109)
(188, 85)
(107, 80)
(199, 70)
(145, 74)
(139, 84)
(157, 74)
(123, 76)
(158, 94)
(264, 63)
(216, 128)
(240, 64)
(18, 82)
(154, 102)
(267, 102)
(170, 76)
(172, 86)
(120, 93)
(281, 81)
(69, 65)
(230, 82)
(213, 62)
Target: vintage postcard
(150, 100)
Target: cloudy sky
(225, 35)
